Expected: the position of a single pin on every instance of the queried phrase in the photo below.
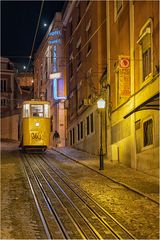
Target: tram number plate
(37, 135)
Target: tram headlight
(37, 124)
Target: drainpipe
(108, 121)
(132, 50)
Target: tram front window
(36, 110)
(46, 110)
(26, 110)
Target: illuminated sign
(124, 63)
(55, 75)
(55, 91)
(54, 37)
(54, 33)
(54, 41)
(124, 77)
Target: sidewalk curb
(102, 174)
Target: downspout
(132, 73)
(108, 120)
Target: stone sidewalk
(138, 181)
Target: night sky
(19, 20)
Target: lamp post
(101, 105)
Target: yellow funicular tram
(35, 129)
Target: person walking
(56, 138)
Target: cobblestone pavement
(136, 212)
(24, 222)
(139, 181)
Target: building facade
(49, 75)
(9, 99)
(133, 75)
(85, 53)
(7, 86)
(25, 82)
(109, 50)
(112, 52)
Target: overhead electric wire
(35, 35)
(30, 57)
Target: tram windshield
(36, 110)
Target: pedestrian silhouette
(56, 138)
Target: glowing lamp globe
(101, 103)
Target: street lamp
(101, 105)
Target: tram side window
(37, 110)
(46, 110)
(26, 110)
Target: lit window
(26, 110)
(148, 132)
(36, 110)
(46, 110)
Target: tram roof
(36, 102)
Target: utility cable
(35, 35)
(30, 57)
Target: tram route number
(37, 136)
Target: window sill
(79, 67)
(90, 135)
(88, 6)
(88, 53)
(147, 148)
(71, 79)
(147, 79)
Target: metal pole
(101, 148)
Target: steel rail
(95, 232)
(48, 234)
(60, 225)
(56, 170)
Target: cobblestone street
(19, 215)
